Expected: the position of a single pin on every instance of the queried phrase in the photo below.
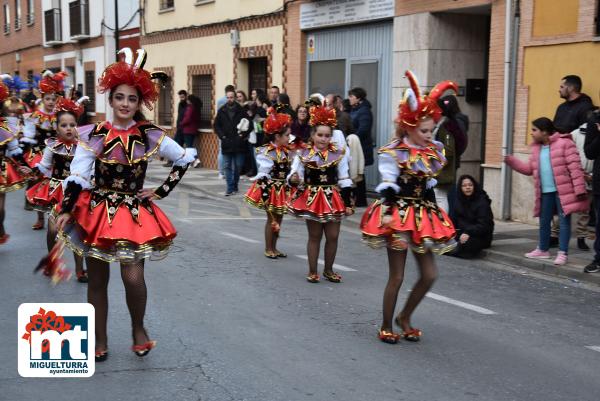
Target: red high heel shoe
(143, 349)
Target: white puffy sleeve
(389, 171)
(81, 168)
(344, 179)
(13, 149)
(297, 168)
(29, 131)
(264, 165)
(45, 165)
(172, 151)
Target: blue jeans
(233, 164)
(220, 161)
(550, 203)
(188, 140)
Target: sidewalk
(511, 239)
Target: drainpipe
(511, 48)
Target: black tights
(271, 237)
(2, 199)
(51, 241)
(397, 263)
(315, 233)
(132, 275)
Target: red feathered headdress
(4, 92)
(276, 122)
(321, 115)
(415, 107)
(71, 106)
(133, 74)
(52, 82)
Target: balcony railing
(6, 28)
(30, 18)
(52, 19)
(79, 19)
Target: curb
(545, 267)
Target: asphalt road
(233, 325)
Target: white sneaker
(196, 163)
(221, 176)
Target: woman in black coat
(472, 217)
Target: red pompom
(122, 73)
(320, 115)
(276, 122)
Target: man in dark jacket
(574, 110)
(362, 120)
(591, 149)
(233, 140)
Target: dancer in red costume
(270, 191)
(41, 125)
(13, 172)
(407, 218)
(47, 194)
(113, 218)
(320, 171)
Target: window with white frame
(30, 12)
(6, 19)
(17, 14)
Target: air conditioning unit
(234, 35)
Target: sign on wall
(341, 12)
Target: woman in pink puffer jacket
(559, 184)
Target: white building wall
(102, 23)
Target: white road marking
(335, 265)
(593, 347)
(252, 241)
(460, 304)
(222, 218)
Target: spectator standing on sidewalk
(220, 103)
(344, 120)
(283, 105)
(191, 123)
(559, 184)
(362, 120)
(452, 132)
(274, 95)
(592, 152)
(180, 113)
(573, 112)
(569, 116)
(233, 140)
(472, 217)
(300, 126)
(583, 218)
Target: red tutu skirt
(33, 156)
(45, 194)
(10, 177)
(269, 195)
(418, 225)
(122, 238)
(319, 203)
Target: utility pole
(117, 29)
